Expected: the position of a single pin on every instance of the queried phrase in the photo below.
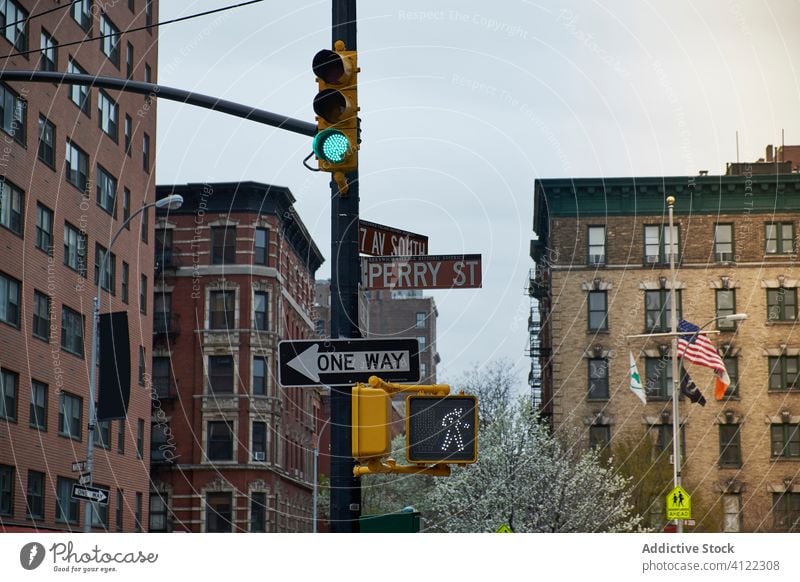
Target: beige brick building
(602, 274)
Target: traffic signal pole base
(376, 466)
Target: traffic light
(336, 106)
(442, 429)
(372, 415)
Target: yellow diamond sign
(504, 529)
(679, 504)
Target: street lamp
(316, 474)
(171, 202)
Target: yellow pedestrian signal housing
(371, 420)
(442, 429)
(336, 106)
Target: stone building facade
(602, 274)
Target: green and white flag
(636, 381)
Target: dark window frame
(67, 508)
(37, 411)
(780, 301)
(661, 316)
(724, 249)
(223, 245)
(72, 341)
(9, 394)
(719, 298)
(220, 379)
(730, 445)
(779, 238)
(219, 440)
(785, 441)
(68, 404)
(598, 385)
(10, 300)
(592, 311)
(781, 376)
(46, 152)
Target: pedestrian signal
(442, 429)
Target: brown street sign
(384, 241)
(422, 272)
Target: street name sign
(379, 240)
(422, 272)
(78, 466)
(339, 362)
(90, 494)
(679, 504)
(85, 479)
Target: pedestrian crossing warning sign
(679, 504)
(504, 529)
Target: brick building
(602, 274)
(76, 163)
(231, 450)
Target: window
(782, 304)
(140, 439)
(261, 246)
(6, 490)
(108, 278)
(658, 310)
(220, 441)
(128, 131)
(35, 495)
(597, 245)
(143, 294)
(142, 368)
(44, 228)
(158, 512)
(664, 439)
(38, 408)
(48, 56)
(730, 448)
(599, 436)
(126, 207)
(219, 510)
(77, 167)
(148, 14)
(258, 512)
(785, 440)
(109, 42)
(223, 310)
(163, 242)
(723, 243)
(125, 281)
(783, 372)
(421, 319)
(67, 508)
(732, 366)
(47, 142)
(779, 238)
(121, 437)
(145, 228)
(131, 5)
(726, 305)
(423, 371)
(106, 191)
(421, 340)
(259, 441)
(598, 310)
(119, 510)
(159, 442)
(11, 205)
(659, 377)
(80, 95)
(220, 374)
(107, 115)
(223, 245)
(260, 313)
(102, 433)
(786, 511)
(74, 249)
(13, 114)
(15, 24)
(598, 379)
(657, 243)
(8, 394)
(41, 315)
(162, 312)
(148, 76)
(162, 380)
(146, 153)
(70, 414)
(9, 300)
(129, 61)
(260, 367)
(137, 516)
(72, 331)
(82, 13)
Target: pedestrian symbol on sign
(454, 425)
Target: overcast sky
(464, 104)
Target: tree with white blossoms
(532, 481)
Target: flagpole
(676, 423)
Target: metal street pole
(676, 422)
(316, 474)
(345, 276)
(172, 202)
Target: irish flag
(636, 381)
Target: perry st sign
(422, 272)
(340, 362)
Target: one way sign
(90, 494)
(339, 362)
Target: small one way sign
(339, 362)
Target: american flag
(698, 349)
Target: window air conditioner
(259, 456)
(651, 259)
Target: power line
(146, 27)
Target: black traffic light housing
(442, 429)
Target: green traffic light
(332, 146)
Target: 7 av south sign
(422, 272)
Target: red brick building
(76, 162)
(231, 450)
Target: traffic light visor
(330, 67)
(332, 146)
